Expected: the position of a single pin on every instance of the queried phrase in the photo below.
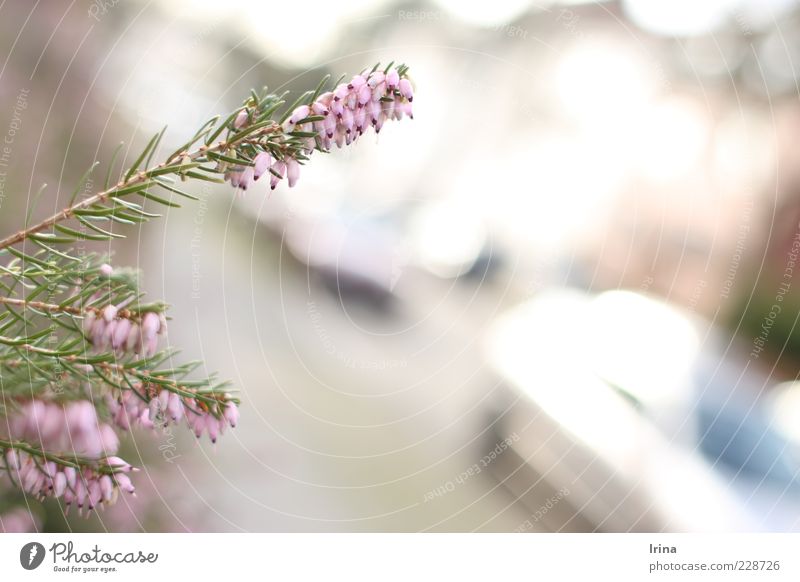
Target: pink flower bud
(319, 109)
(81, 416)
(299, 114)
(241, 119)
(360, 119)
(109, 439)
(403, 107)
(374, 111)
(231, 414)
(175, 407)
(347, 120)
(124, 482)
(88, 323)
(357, 82)
(163, 399)
(145, 420)
(134, 338)
(59, 484)
(109, 332)
(392, 79)
(406, 90)
(212, 426)
(106, 270)
(80, 492)
(106, 487)
(340, 92)
(93, 494)
(262, 163)
(121, 332)
(330, 126)
(119, 465)
(364, 95)
(71, 475)
(247, 178)
(149, 340)
(279, 168)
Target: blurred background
(564, 297)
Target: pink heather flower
(347, 120)
(231, 414)
(246, 179)
(121, 333)
(360, 119)
(392, 79)
(299, 114)
(404, 108)
(151, 324)
(262, 162)
(87, 487)
(364, 95)
(340, 92)
(319, 108)
(106, 270)
(109, 313)
(356, 83)
(174, 407)
(127, 410)
(278, 168)
(406, 90)
(241, 119)
(118, 465)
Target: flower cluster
(86, 486)
(336, 117)
(72, 428)
(116, 328)
(70, 388)
(165, 407)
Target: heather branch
(138, 182)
